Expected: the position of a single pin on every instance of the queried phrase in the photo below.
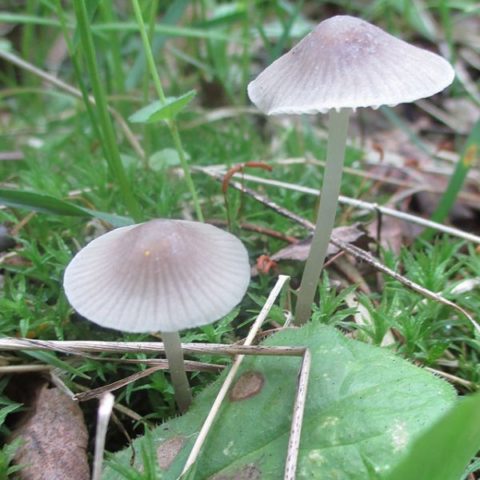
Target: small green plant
(146, 469)
(165, 109)
(7, 452)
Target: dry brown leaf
(395, 233)
(54, 440)
(463, 214)
(299, 251)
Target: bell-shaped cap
(162, 275)
(346, 62)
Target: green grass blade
(105, 121)
(72, 46)
(51, 359)
(5, 411)
(469, 157)
(39, 202)
(115, 51)
(166, 30)
(18, 18)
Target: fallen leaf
(395, 233)
(54, 440)
(464, 111)
(353, 235)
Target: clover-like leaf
(158, 110)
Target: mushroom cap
(346, 62)
(164, 275)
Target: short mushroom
(343, 64)
(162, 275)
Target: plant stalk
(337, 139)
(174, 354)
(105, 122)
(172, 125)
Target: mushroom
(343, 64)
(162, 275)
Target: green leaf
(165, 158)
(40, 202)
(4, 411)
(445, 449)
(364, 408)
(158, 110)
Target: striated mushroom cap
(346, 62)
(164, 275)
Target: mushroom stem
(174, 353)
(337, 139)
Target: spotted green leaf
(364, 408)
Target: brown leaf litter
(54, 439)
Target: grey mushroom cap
(346, 62)
(162, 275)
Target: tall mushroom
(162, 275)
(343, 64)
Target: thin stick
(119, 408)
(251, 227)
(361, 204)
(60, 384)
(415, 182)
(202, 435)
(174, 353)
(103, 417)
(80, 347)
(97, 392)
(162, 363)
(297, 418)
(451, 378)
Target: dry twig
(373, 207)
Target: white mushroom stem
(337, 139)
(174, 354)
